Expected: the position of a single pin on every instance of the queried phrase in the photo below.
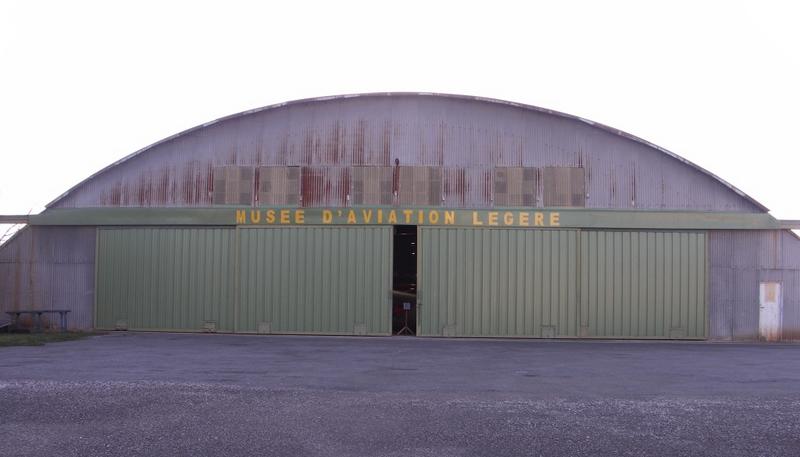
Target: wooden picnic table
(36, 315)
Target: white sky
(83, 84)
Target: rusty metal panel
(563, 187)
(420, 186)
(515, 186)
(233, 185)
(372, 185)
(416, 130)
(467, 187)
(322, 186)
(50, 268)
(278, 186)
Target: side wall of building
(50, 268)
(739, 261)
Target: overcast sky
(83, 84)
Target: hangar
(411, 213)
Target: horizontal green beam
(512, 217)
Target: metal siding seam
(280, 242)
(148, 302)
(440, 292)
(494, 316)
(649, 314)
(691, 315)
(527, 283)
(503, 281)
(338, 281)
(539, 279)
(547, 266)
(520, 245)
(452, 312)
(637, 306)
(365, 277)
(435, 284)
(96, 284)
(421, 306)
(289, 246)
(706, 309)
(627, 312)
(305, 317)
(472, 274)
(323, 315)
(653, 281)
(617, 314)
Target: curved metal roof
(537, 109)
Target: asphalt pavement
(229, 395)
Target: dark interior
(404, 281)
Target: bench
(36, 315)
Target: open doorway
(404, 281)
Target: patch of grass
(38, 339)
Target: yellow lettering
(433, 217)
(367, 215)
(421, 217)
(284, 216)
(492, 217)
(523, 218)
(554, 219)
(449, 217)
(392, 217)
(407, 213)
(327, 216)
(241, 216)
(255, 216)
(380, 216)
(538, 219)
(508, 218)
(271, 216)
(351, 217)
(299, 216)
(476, 220)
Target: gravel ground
(166, 394)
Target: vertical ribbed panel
(372, 185)
(467, 186)
(330, 280)
(643, 284)
(325, 186)
(740, 260)
(498, 282)
(50, 268)
(515, 282)
(166, 278)
(278, 185)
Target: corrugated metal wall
(739, 261)
(468, 137)
(332, 280)
(166, 278)
(561, 283)
(497, 282)
(50, 268)
(643, 284)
